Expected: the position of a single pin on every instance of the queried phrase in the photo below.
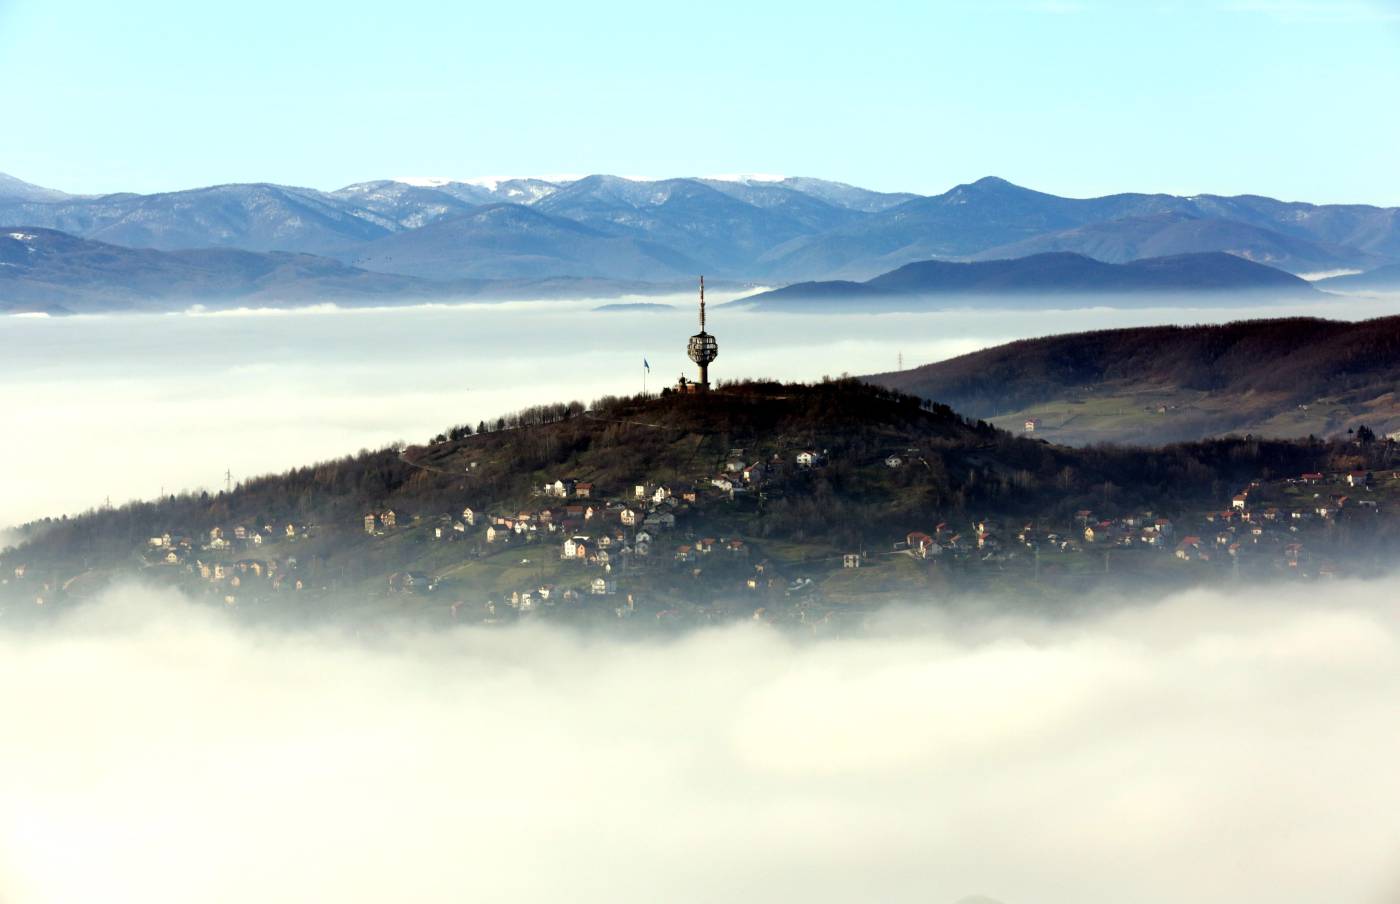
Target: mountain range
(757, 230)
(43, 270)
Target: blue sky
(1290, 99)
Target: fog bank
(1210, 748)
(123, 406)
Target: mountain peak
(12, 189)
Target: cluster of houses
(596, 532)
(174, 549)
(1244, 527)
(209, 559)
(612, 533)
(379, 522)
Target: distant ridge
(757, 229)
(1170, 233)
(1056, 273)
(12, 189)
(1285, 378)
(43, 270)
(972, 219)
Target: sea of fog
(124, 406)
(1213, 747)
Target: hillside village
(678, 552)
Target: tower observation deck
(703, 347)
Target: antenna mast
(703, 348)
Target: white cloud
(1327, 274)
(1219, 747)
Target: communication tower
(703, 348)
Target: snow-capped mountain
(745, 226)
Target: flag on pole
(646, 365)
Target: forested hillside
(1284, 377)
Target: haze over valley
(929, 758)
(941, 453)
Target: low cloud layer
(1211, 748)
(142, 404)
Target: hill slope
(916, 285)
(888, 465)
(12, 189)
(1287, 377)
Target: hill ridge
(1055, 272)
(1278, 377)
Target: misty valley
(1007, 514)
(808, 505)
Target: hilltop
(1280, 378)
(760, 499)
